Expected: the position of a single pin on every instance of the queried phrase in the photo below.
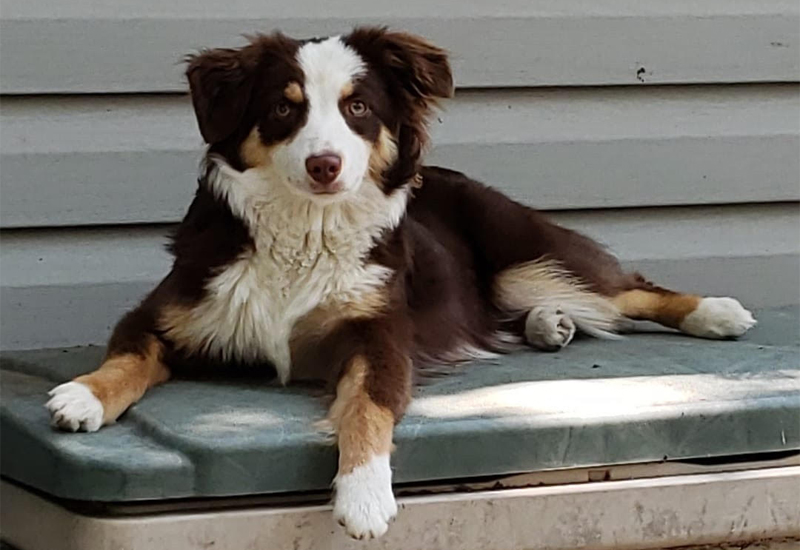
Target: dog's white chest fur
(254, 303)
(306, 255)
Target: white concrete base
(791, 543)
(659, 512)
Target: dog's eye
(358, 108)
(283, 109)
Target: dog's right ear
(221, 83)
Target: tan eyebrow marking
(294, 92)
(347, 91)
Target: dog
(317, 244)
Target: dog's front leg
(372, 394)
(134, 363)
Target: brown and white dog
(317, 244)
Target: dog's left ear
(417, 74)
(221, 83)
(426, 66)
(421, 68)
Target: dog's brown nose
(324, 168)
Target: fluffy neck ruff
(307, 254)
(291, 224)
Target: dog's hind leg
(550, 275)
(133, 364)
(549, 328)
(555, 304)
(704, 317)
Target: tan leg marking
(123, 379)
(364, 502)
(666, 308)
(363, 428)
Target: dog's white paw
(364, 503)
(548, 328)
(74, 407)
(718, 318)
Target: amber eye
(358, 108)
(283, 109)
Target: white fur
(75, 408)
(718, 318)
(548, 328)
(463, 353)
(306, 254)
(545, 284)
(364, 502)
(501, 341)
(328, 67)
(310, 250)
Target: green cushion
(644, 398)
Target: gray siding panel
(84, 46)
(134, 159)
(559, 105)
(69, 286)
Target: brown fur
(662, 306)
(171, 324)
(321, 319)
(123, 379)
(363, 428)
(463, 269)
(312, 356)
(294, 92)
(525, 286)
(347, 90)
(545, 283)
(465, 258)
(417, 75)
(253, 151)
(230, 99)
(384, 153)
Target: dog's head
(323, 117)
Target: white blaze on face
(329, 67)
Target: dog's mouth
(326, 189)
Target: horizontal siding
(558, 105)
(133, 159)
(85, 46)
(69, 286)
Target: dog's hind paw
(548, 328)
(718, 318)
